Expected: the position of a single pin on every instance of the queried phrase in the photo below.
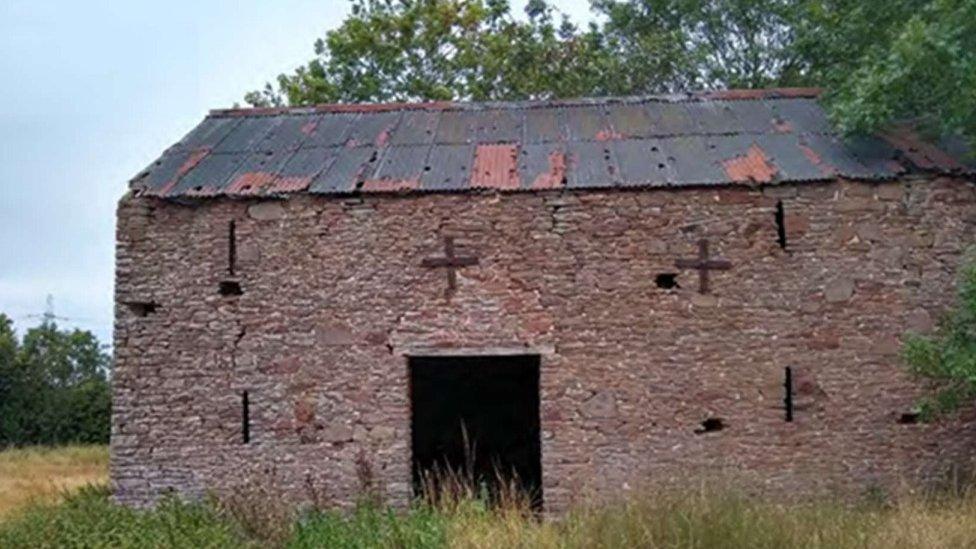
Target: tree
(894, 61)
(708, 44)
(402, 50)
(8, 353)
(880, 61)
(53, 386)
(948, 357)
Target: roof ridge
(713, 95)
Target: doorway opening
(477, 418)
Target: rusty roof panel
(591, 164)
(328, 130)
(743, 160)
(450, 167)
(495, 167)
(690, 139)
(543, 166)
(209, 176)
(352, 166)
(163, 174)
(416, 128)
(831, 156)
(785, 152)
(642, 163)
(257, 173)
(544, 125)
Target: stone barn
(590, 295)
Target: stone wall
(335, 298)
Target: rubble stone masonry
(334, 298)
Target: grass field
(34, 514)
(41, 475)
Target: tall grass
(699, 520)
(41, 474)
(461, 517)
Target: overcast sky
(91, 93)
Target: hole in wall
(710, 425)
(780, 217)
(666, 281)
(142, 308)
(788, 393)
(908, 418)
(231, 247)
(245, 418)
(230, 288)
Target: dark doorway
(479, 417)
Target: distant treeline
(54, 386)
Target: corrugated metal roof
(717, 138)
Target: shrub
(948, 357)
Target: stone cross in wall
(703, 263)
(451, 262)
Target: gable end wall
(335, 299)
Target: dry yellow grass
(703, 521)
(40, 474)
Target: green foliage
(881, 61)
(88, 519)
(948, 358)
(703, 44)
(397, 50)
(372, 526)
(894, 61)
(54, 386)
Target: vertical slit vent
(780, 224)
(245, 418)
(788, 394)
(231, 247)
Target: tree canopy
(53, 386)
(880, 61)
